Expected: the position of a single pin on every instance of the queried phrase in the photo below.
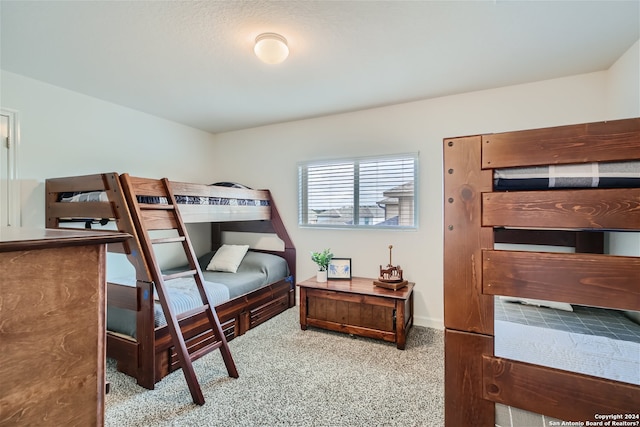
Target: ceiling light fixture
(271, 48)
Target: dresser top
(358, 285)
(23, 238)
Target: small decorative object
(339, 268)
(322, 259)
(391, 275)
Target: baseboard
(428, 322)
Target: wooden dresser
(52, 326)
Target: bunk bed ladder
(166, 216)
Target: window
(373, 192)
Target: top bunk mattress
(592, 341)
(101, 196)
(587, 175)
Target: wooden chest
(357, 307)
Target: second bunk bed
(551, 332)
(246, 289)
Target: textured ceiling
(192, 61)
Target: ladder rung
(192, 312)
(147, 206)
(205, 350)
(168, 240)
(179, 274)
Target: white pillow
(228, 258)
(540, 303)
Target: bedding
(101, 196)
(587, 175)
(230, 185)
(539, 303)
(183, 296)
(201, 200)
(89, 196)
(256, 270)
(589, 340)
(227, 258)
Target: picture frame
(339, 269)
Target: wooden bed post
(281, 231)
(468, 315)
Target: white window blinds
(378, 192)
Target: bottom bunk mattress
(255, 271)
(588, 340)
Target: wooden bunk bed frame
(476, 217)
(151, 356)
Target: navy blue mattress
(587, 175)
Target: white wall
(64, 133)
(418, 126)
(623, 85)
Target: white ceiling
(192, 61)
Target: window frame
(303, 192)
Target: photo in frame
(339, 268)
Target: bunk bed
(137, 336)
(481, 279)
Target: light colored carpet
(290, 377)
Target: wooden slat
(204, 190)
(355, 298)
(89, 210)
(353, 329)
(465, 308)
(464, 404)
(591, 142)
(565, 395)
(267, 311)
(95, 182)
(186, 273)
(192, 312)
(221, 213)
(162, 240)
(584, 209)
(586, 279)
(156, 206)
(123, 348)
(158, 219)
(146, 186)
(198, 353)
(123, 296)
